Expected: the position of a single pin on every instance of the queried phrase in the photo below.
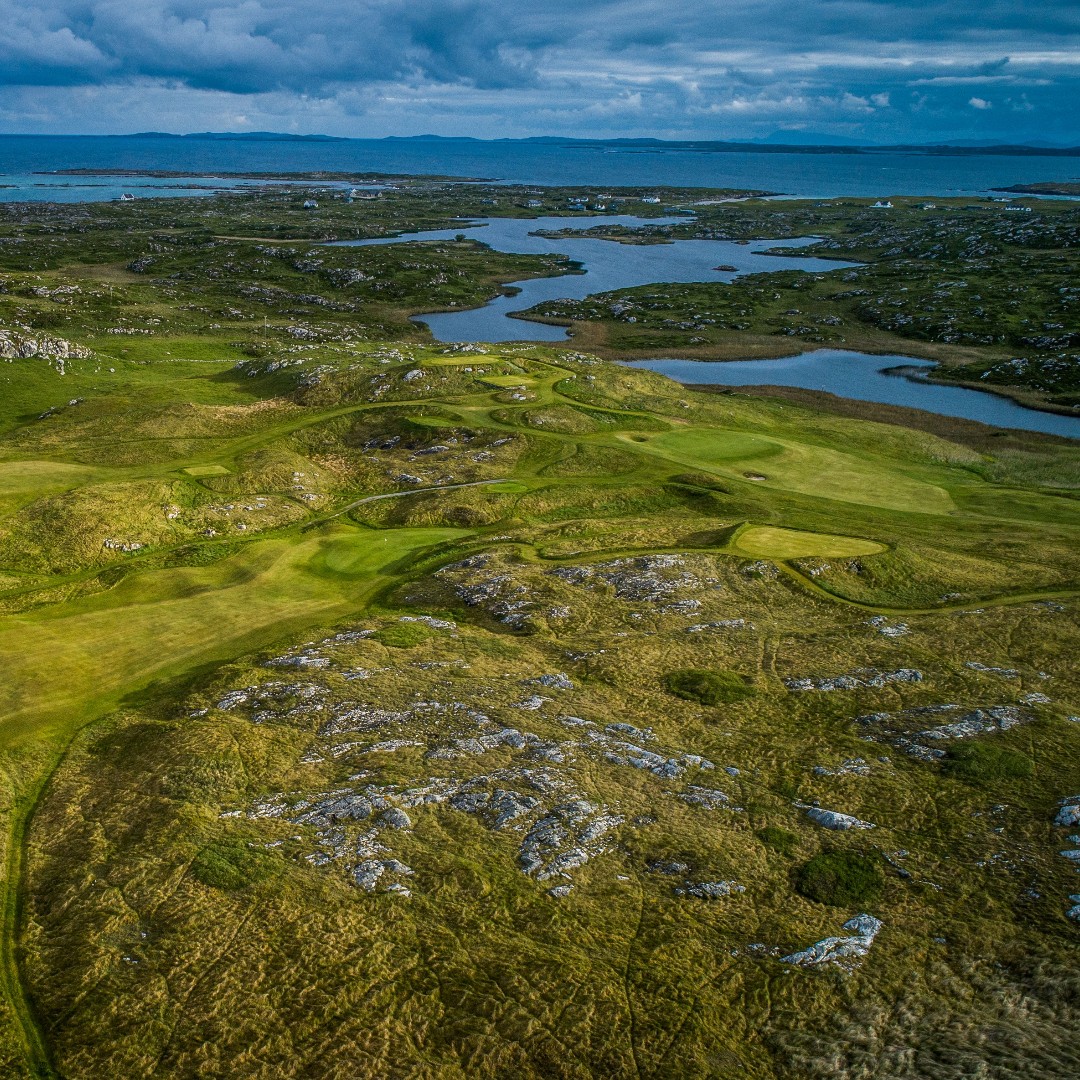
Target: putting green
(206, 470)
(61, 661)
(711, 445)
(767, 542)
(507, 381)
(803, 467)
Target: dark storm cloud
(251, 46)
(611, 65)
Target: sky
(875, 71)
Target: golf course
(376, 706)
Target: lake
(608, 265)
(868, 378)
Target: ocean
(28, 164)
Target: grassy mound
(231, 864)
(777, 839)
(402, 635)
(984, 762)
(708, 687)
(840, 878)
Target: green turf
(805, 468)
(64, 658)
(766, 542)
(206, 470)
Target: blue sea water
(25, 161)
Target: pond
(608, 265)
(890, 380)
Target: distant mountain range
(777, 143)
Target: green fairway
(61, 660)
(22, 482)
(803, 467)
(37, 477)
(504, 381)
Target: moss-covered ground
(379, 708)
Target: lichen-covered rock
(864, 928)
(710, 890)
(15, 345)
(709, 798)
(559, 680)
(566, 838)
(368, 873)
(647, 579)
(396, 818)
(832, 819)
(980, 722)
(1069, 814)
(857, 680)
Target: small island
(1048, 187)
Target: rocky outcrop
(857, 680)
(832, 819)
(710, 890)
(1069, 814)
(19, 345)
(980, 722)
(864, 928)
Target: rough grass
(777, 839)
(142, 794)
